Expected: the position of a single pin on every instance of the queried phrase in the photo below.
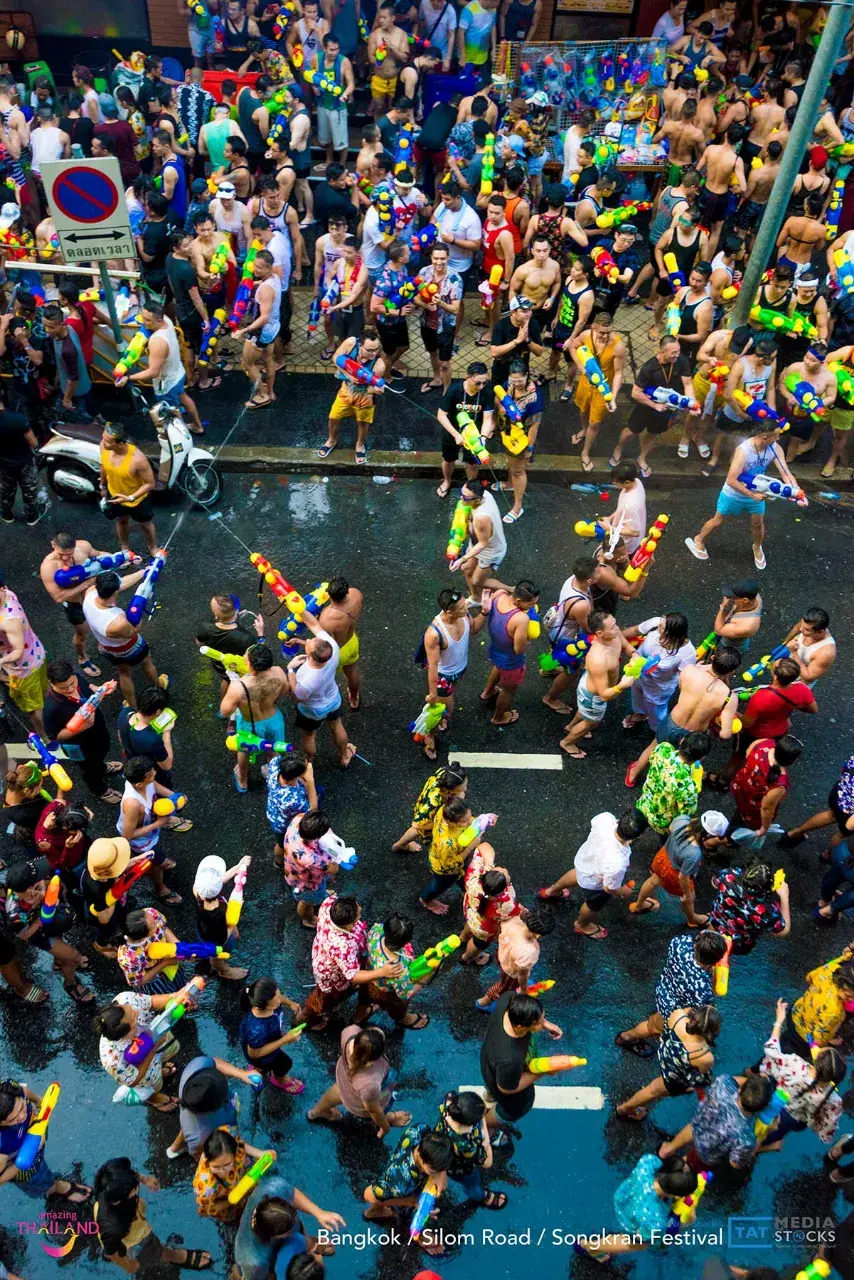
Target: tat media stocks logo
(58, 1233)
(768, 1232)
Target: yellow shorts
(702, 387)
(349, 652)
(28, 693)
(342, 408)
(381, 88)
(842, 417)
(589, 401)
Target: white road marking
(507, 760)
(23, 751)
(555, 1097)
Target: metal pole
(64, 269)
(828, 51)
(111, 304)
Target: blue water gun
(658, 71)
(90, 568)
(423, 1209)
(142, 601)
(759, 668)
(313, 316)
(292, 625)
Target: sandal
(645, 471)
(480, 961)
(78, 1189)
(240, 790)
(35, 995)
(640, 1048)
(503, 724)
(613, 461)
(513, 516)
(443, 490)
(327, 353)
(483, 342)
(185, 824)
(494, 1200)
(599, 934)
(111, 796)
(636, 1114)
(89, 669)
(501, 1139)
(654, 905)
(294, 1087)
(79, 994)
(325, 450)
(334, 1117)
(544, 894)
(170, 898)
(427, 387)
(193, 1260)
(361, 456)
(629, 780)
(164, 1107)
(566, 394)
(586, 465)
(422, 1020)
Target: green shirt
(670, 789)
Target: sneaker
(7, 519)
(40, 514)
(759, 557)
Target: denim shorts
(312, 897)
(274, 728)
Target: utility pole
(828, 51)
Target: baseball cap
(538, 99)
(107, 857)
(628, 229)
(743, 589)
(227, 189)
(743, 82)
(521, 304)
(517, 142)
(206, 1090)
(8, 214)
(209, 877)
(23, 875)
(109, 106)
(713, 822)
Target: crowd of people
(222, 195)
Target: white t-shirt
(439, 25)
(571, 147)
(317, 687)
(280, 247)
(660, 681)
(465, 225)
(631, 508)
(373, 254)
(667, 29)
(603, 859)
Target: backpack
(420, 655)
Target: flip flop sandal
(184, 825)
(564, 894)
(76, 1187)
(628, 780)
(483, 342)
(646, 472)
(599, 935)
(325, 450)
(640, 1048)
(212, 385)
(613, 462)
(427, 387)
(193, 1261)
(501, 1139)
(505, 724)
(361, 456)
(566, 394)
(440, 494)
(170, 898)
(499, 1200)
(586, 466)
(334, 1117)
(295, 1087)
(35, 995)
(79, 993)
(636, 1114)
(654, 905)
(89, 669)
(240, 790)
(327, 353)
(422, 1021)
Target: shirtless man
(686, 140)
(766, 117)
(720, 163)
(811, 369)
(340, 618)
(384, 73)
(799, 238)
(67, 551)
(714, 352)
(811, 645)
(464, 111)
(674, 96)
(539, 280)
(739, 614)
(205, 244)
(601, 682)
(707, 119)
(252, 701)
(704, 695)
(759, 184)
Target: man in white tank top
(165, 368)
(573, 610)
(812, 646)
(48, 141)
(117, 639)
(487, 543)
(139, 825)
(446, 644)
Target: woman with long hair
(685, 1059)
(363, 1078)
(125, 1234)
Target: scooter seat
(89, 431)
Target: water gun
(252, 742)
(639, 73)
(770, 1114)
(279, 585)
(422, 240)
(50, 250)
(647, 548)
(834, 209)
(663, 395)
(165, 806)
(605, 264)
(684, 1210)
(143, 596)
(84, 716)
(590, 76)
(706, 646)
(331, 294)
(488, 288)
(718, 375)
(314, 602)
(246, 288)
(313, 317)
(844, 270)
(322, 81)
(487, 168)
(49, 762)
(426, 291)
(398, 299)
(51, 899)
(477, 827)
(776, 885)
(673, 319)
(472, 439)
(176, 1008)
(722, 970)
(540, 988)
(590, 529)
(804, 393)
(674, 275)
(344, 855)
(278, 128)
(593, 372)
(459, 530)
(565, 654)
(284, 17)
(508, 404)
(527, 78)
(658, 71)
(297, 55)
(516, 439)
(212, 335)
(134, 351)
(772, 489)
(543, 1066)
(252, 1177)
(384, 204)
(124, 882)
(796, 324)
(403, 150)
(359, 373)
(731, 291)
(90, 567)
(219, 34)
(381, 52)
(37, 1132)
(616, 217)
(219, 261)
(187, 951)
(18, 246)
(423, 1209)
(759, 410)
(844, 380)
(234, 906)
(843, 152)
(818, 1269)
(534, 624)
(364, 30)
(231, 661)
(425, 723)
(639, 665)
(607, 72)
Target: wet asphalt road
(389, 540)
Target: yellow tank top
(117, 471)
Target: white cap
(209, 877)
(713, 822)
(227, 189)
(8, 214)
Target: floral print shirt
(133, 956)
(497, 910)
(469, 1150)
(211, 1192)
(670, 789)
(684, 984)
(427, 805)
(305, 861)
(639, 1207)
(820, 1012)
(400, 1177)
(446, 856)
(817, 1105)
(722, 1132)
(112, 1052)
(740, 914)
(336, 953)
(284, 800)
(402, 986)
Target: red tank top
(510, 209)
(490, 235)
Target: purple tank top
(500, 648)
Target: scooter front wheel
(201, 481)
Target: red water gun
(279, 585)
(427, 291)
(359, 373)
(647, 548)
(129, 877)
(605, 265)
(84, 716)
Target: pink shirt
(34, 654)
(518, 952)
(336, 953)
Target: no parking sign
(87, 203)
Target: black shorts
(191, 327)
(713, 207)
(393, 336)
(302, 163)
(451, 451)
(142, 513)
(137, 656)
(74, 612)
(311, 724)
(724, 423)
(664, 288)
(441, 343)
(642, 418)
(7, 950)
(349, 323)
(838, 812)
(595, 899)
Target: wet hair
(725, 660)
(344, 911)
(305, 1266)
(337, 588)
(830, 1066)
(455, 809)
(526, 591)
(367, 1047)
(676, 1177)
(397, 251)
(524, 1010)
(704, 1021)
(292, 765)
(818, 618)
(786, 671)
(492, 883)
(755, 1094)
(516, 366)
(9, 1095)
(451, 776)
(259, 222)
(694, 746)
(844, 975)
(476, 369)
(625, 471)
(758, 876)
(137, 768)
(113, 1188)
(597, 620)
(709, 947)
(260, 656)
(258, 994)
(152, 700)
(465, 1108)
(72, 818)
(219, 1143)
(274, 1217)
(111, 1022)
(814, 204)
(314, 825)
(555, 195)
(136, 925)
(786, 751)
(436, 1150)
(540, 921)
(397, 930)
(59, 670)
(775, 150)
(451, 188)
(631, 824)
(675, 631)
